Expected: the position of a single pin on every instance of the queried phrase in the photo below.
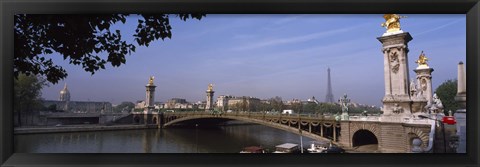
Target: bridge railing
(364, 118)
(254, 115)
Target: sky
(268, 55)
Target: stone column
(396, 102)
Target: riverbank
(94, 127)
(77, 128)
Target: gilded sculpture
(422, 60)
(151, 80)
(392, 22)
(210, 87)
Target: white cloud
(438, 28)
(296, 39)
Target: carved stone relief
(394, 62)
(424, 84)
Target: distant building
(64, 94)
(293, 101)
(179, 103)
(312, 100)
(249, 103)
(140, 104)
(222, 102)
(66, 105)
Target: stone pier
(396, 102)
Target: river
(223, 139)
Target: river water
(222, 139)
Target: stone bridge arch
(274, 123)
(360, 128)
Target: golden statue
(210, 87)
(392, 22)
(150, 82)
(422, 60)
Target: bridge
(357, 131)
(318, 127)
(394, 131)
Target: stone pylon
(461, 96)
(424, 79)
(209, 105)
(423, 89)
(150, 96)
(397, 101)
(461, 114)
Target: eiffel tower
(329, 97)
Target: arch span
(275, 125)
(364, 137)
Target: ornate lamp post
(344, 101)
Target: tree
(264, 106)
(297, 107)
(276, 103)
(124, 106)
(309, 108)
(27, 95)
(236, 106)
(81, 39)
(447, 92)
(328, 108)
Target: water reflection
(224, 139)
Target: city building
(241, 103)
(65, 104)
(222, 102)
(140, 104)
(177, 103)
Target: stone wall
(392, 138)
(72, 121)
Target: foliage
(27, 94)
(309, 108)
(447, 92)
(296, 107)
(331, 108)
(277, 103)
(360, 109)
(52, 107)
(81, 39)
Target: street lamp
(344, 102)
(301, 140)
(196, 136)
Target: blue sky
(268, 55)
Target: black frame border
(10, 7)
